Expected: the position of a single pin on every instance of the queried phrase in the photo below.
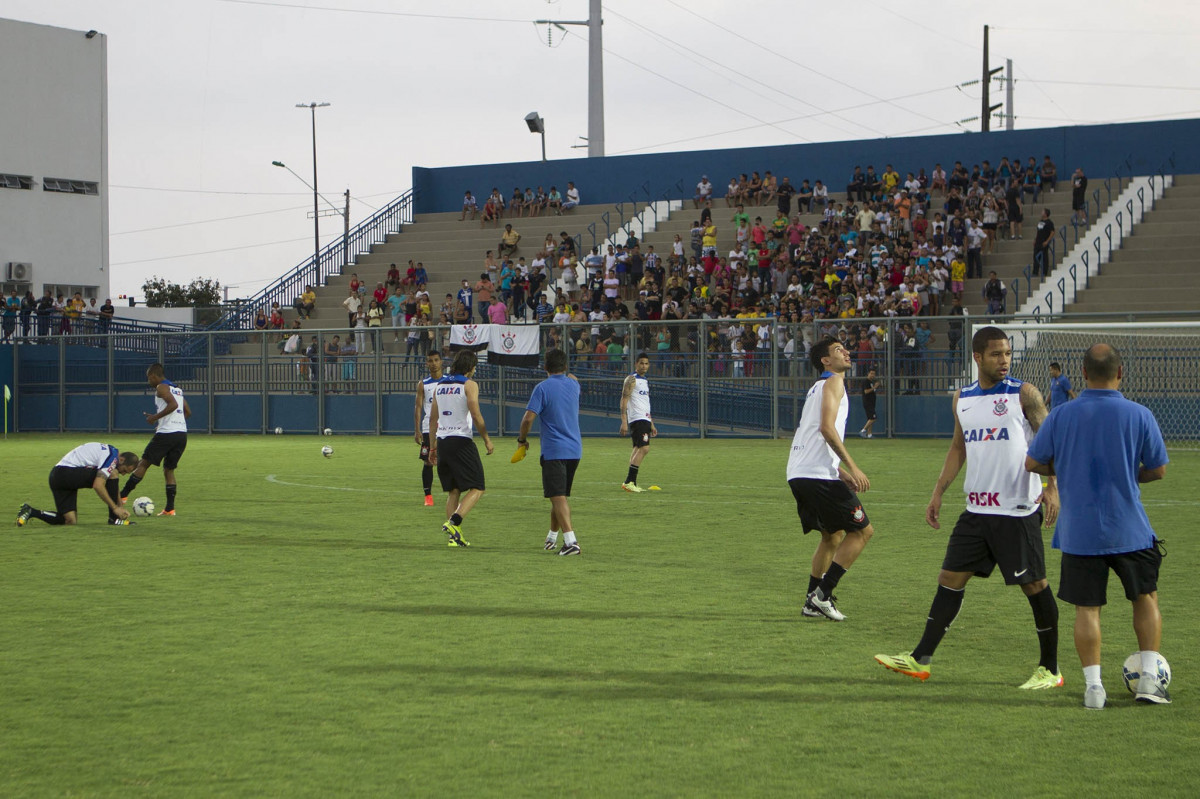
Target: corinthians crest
(1001, 407)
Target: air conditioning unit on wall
(20, 272)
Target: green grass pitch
(302, 629)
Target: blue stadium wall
(1138, 148)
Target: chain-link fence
(709, 377)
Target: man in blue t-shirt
(555, 401)
(1060, 387)
(1101, 446)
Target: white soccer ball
(1132, 671)
(278, 431)
(327, 451)
(143, 506)
(327, 431)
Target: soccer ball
(327, 431)
(143, 506)
(278, 431)
(1132, 671)
(327, 451)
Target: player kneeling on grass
(824, 480)
(96, 466)
(994, 420)
(454, 414)
(555, 401)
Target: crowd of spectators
(26, 318)
(527, 203)
(886, 245)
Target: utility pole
(594, 22)
(1009, 116)
(985, 115)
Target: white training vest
(175, 421)
(429, 384)
(997, 435)
(638, 407)
(93, 456)
(454, 418)
(811, 456)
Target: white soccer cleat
(1094, 697)
(823, 606)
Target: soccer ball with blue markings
(327, 451)
(143, 506)
(1132, 671)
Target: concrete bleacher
(453, 249)
(1155, 268)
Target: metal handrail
(331, 260)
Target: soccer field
(302, 629)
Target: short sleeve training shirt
(555, 400)
(1098, 443)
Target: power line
(1115, 85)
(247, 216)
(208, 252)
(204, 191)
(698, 93)
(793, 61)
(686, 52)
(370, 11)
(785, 121)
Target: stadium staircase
(1154, 270)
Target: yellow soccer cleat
(632, 488)
(519, 455)
(1042, 678)
(905, 664)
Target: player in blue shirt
(1060, 387)
(555, 401)
(1101, 446)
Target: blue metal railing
(329, 261)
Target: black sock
(632, 476)
(1045, 618)
(455, 519)
(812, 583)
(130, 484)
(171, 497)
(48, 516)
(427, 479)
(946, 604)
(830, 580)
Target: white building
(53, 160)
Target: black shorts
(67, 481)
(827, 505)
(423, 453)
(639, 433)
(982, 541)
(869, 407)
(458, 466)
(165, 449)
(558, 476)
(1083, 579)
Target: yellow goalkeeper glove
(522, 451)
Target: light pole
(537, 125)
(313, 106)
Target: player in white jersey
(96, 466)
(824, 480)
(421, 408)
(453, 416)
(170, 417)
(636, 419)
(994, 420)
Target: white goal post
(1161, 363)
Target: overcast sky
(202, 94)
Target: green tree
(201, 292)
